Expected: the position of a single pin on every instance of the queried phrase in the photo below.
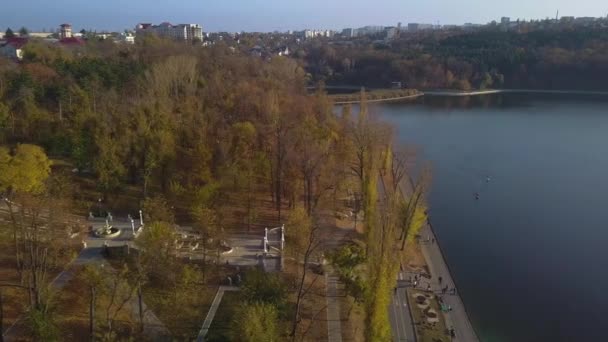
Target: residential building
(418, 27)
(282, 51)
(71, 42)
(347, 33)
(178, 32)
(505, 20)
(13, 48)
(127, 38)
(39, 34)
(392, 33)
(368, 30)
(308, 34)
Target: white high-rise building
(178, 32)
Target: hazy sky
(269, 15)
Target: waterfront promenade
(457, 318)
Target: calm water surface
(530, 257)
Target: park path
(334, 323)
(212, 310)
(333, 239)
(457, 318)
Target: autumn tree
(303, 234)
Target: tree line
(195, 130)
(568, 58)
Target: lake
(530, 257)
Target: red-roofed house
(71, 41)
(13, 48)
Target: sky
(282, 15)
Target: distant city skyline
(271, 15)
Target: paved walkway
(334, 323)
(457, 318)
(212, 310)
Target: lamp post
(282, 237)
(265, 240)
(141, 217)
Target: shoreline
(457, 93)
(461, 317)
(434, 257)
(380, 100)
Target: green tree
(156, 244)
(23, 32)
(156, 209)
(267, 288)
(9, 33)
(254, 322)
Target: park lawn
(219, 331)
(353, 319)
(72, 313)
(427, 332)
(16, 300)
(313, 315)
(182, 313)
(182, 310)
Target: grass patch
(427, 332)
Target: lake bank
(378, 95)
(393, 95)
(398, 98)
(505, 249)
(511, 91)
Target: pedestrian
(428, 287)
(415, 283)
(440, 279)
(454, 290)
(395, 290)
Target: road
(399, 313)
